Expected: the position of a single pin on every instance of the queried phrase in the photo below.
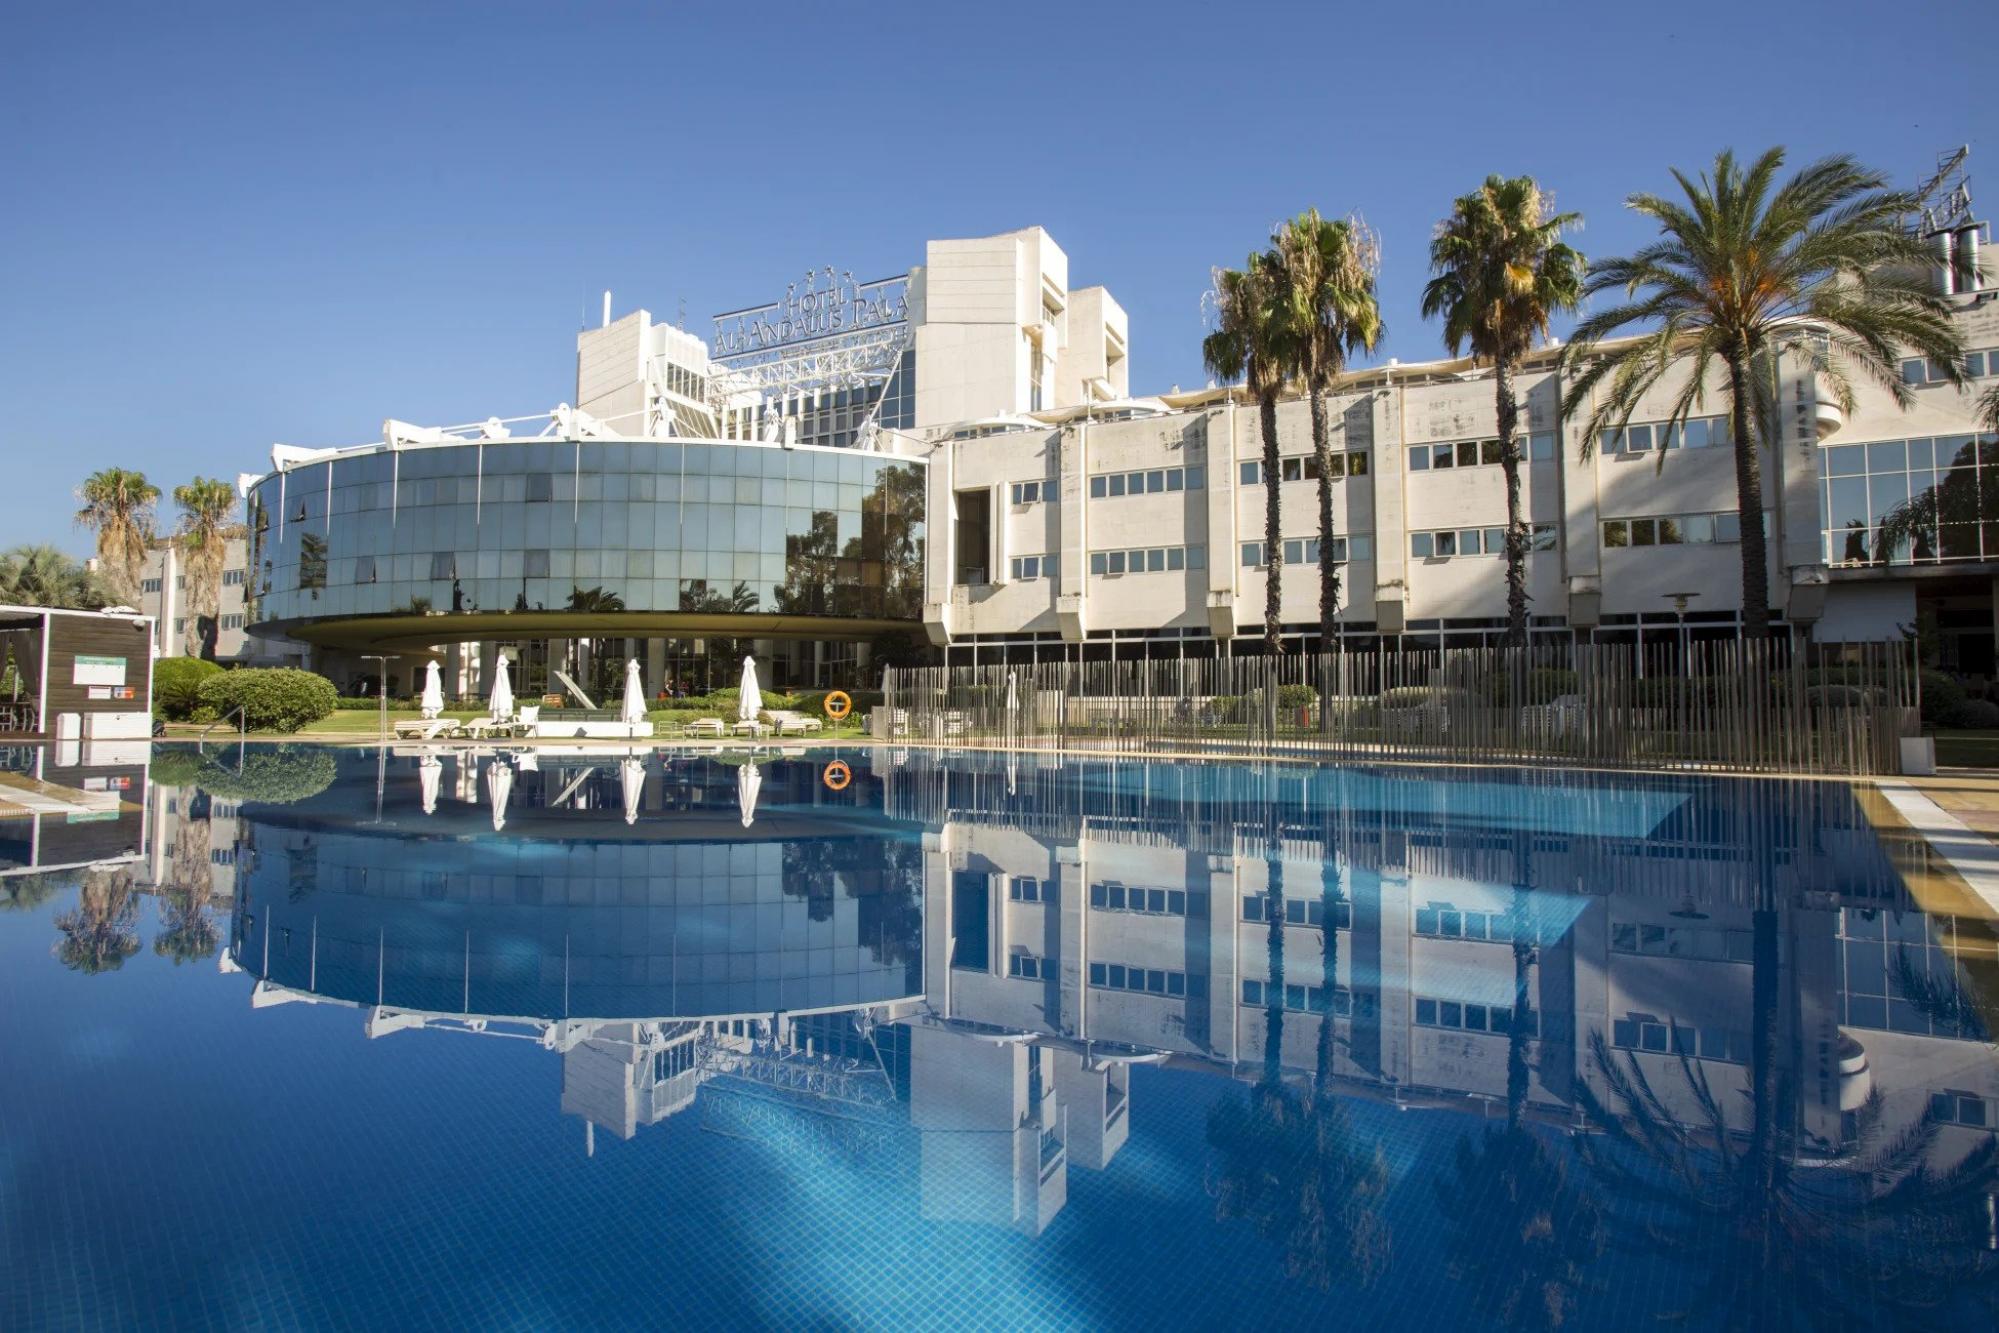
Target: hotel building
(954, 458)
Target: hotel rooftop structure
(956, 454)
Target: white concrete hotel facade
(1068, 519)
(1024, 410)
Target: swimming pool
(436, 1037)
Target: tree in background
(1822, 268)
(118, 505)
(44, 576)
(1501, 270)
(1328, 313)
(207, 508)
(1247, 344)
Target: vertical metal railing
(1729, 705)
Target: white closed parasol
(752, 701)
(432, 702)
(749, 781)
(503, 692)
(634, 711)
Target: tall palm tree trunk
(1273, 529)
(1749, 503)
(1516, 523)
(1329, 569)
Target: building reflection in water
(1724, 1015)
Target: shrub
(272, 774)
(1293, 697)
(1941, 695)
(273, 698)
(177, 685)
(1970, 715)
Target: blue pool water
(339, 1037)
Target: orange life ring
(838, 705)
(837, 776)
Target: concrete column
(655, 658)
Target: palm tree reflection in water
(1771, 1239)
(187, 926)
(1285, 1159)
(102, 930)
(1519, 1233)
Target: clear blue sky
(225, 226)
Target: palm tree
(1248, 344)
(1329, 313)
(1501, 270)
(118, 507)
(206, 508)
(44, 576)
(1821, 268)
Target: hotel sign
(820, 305)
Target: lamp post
(1679, 601)
(382, 715)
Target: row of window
(1149, 980)
(1299, 911)
(1451, 923)
(1305, 551)
(1919, 371)
(1303, 999)
(1034, 567)
(1150, 560)
(1028, 889)
(1151, 481)
(1115, 897)
(1033, 492)
(1964, 1108)
(231, 578)
(1695, 433)
(1659, 1038)
(1681, 942)
(1028, 967)
(1539, 448)
(1446, 544)
(1672, 530)
(1352, 463)
(1462, 1016)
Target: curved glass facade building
(510, 539)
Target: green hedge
(272, 774)
(177, 686)
(272, 698)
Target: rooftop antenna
(680, 319)
(1945, 198)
